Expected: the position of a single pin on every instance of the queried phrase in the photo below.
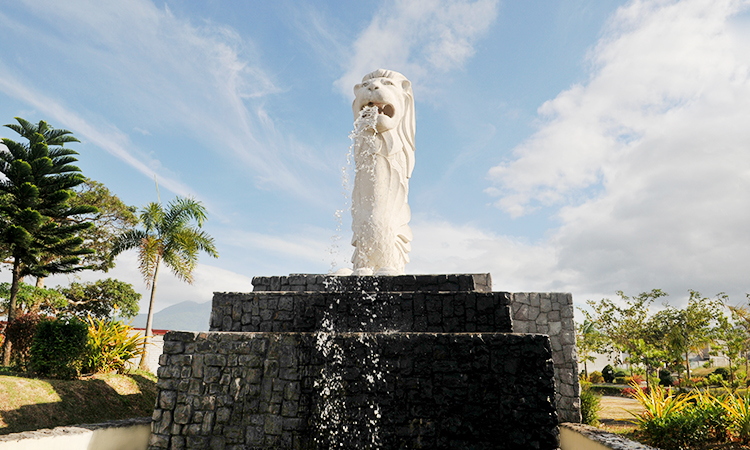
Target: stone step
(477, 282)
(446, 312)
(355, 390)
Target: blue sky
(578, 146)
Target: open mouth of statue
(383, 108)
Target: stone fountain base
(318, 362)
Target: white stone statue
(384, 160)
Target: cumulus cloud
(646, 163)
(442, 247)
(418, 37)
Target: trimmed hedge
(59, 348)
(605, 389)
(21, 333)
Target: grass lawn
(615, 413)
(30, 404)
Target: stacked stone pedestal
(319, 362)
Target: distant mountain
(184, 316)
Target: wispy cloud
(203, 79)
(647, 161)
(418, 38)
(112, 140)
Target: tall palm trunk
(687, 363)
(585, 370)
(149, 319)
(16, 280)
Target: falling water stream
(340, 425)
(363, 138)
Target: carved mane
(407, 126)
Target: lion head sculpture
(391, 93)
(383, 165)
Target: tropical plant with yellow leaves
(111, 345)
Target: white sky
(570, 145)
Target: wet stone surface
(322, 362)
(423, 390)
(447, 312)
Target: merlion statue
(384, 160)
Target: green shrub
(590, 405)
(723, 372)
(679, 430)
(596, 377)
(619, 373)
(665, 377)
(621, 380)
(738, 414)
(606, 389)
(59, 348)
(715, 379)
(21, 332)
(111, 345)
(608, 373)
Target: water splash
(363, 137)
(340, 424)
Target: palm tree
(172, 236)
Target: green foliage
(691, 420)
(619, 373)
(173, 236)
(37, 236)
(621, 380)
(101, 299)
(21, 332)
(59, 348)
(627, 329)
(111, 345)
(31, 298)
(665, 377)
(723, 372)
(588, 341)
(590, 405)
(693, 327)
(738, 411)
(608, 372)
(596, 377)
(607, 389)
(663, 423)
(111, 219)
(714, 379)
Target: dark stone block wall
(324, 362)
(437, 303)
(355, 391)
(477, 282)
(446, 312)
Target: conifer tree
(34, 230)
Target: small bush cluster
(590, 405)
(596, 377)
(59, 347)
(665, 378)
(631, 391)
(687, 420)
(20, 333)
(64, 347)
(111, 346)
